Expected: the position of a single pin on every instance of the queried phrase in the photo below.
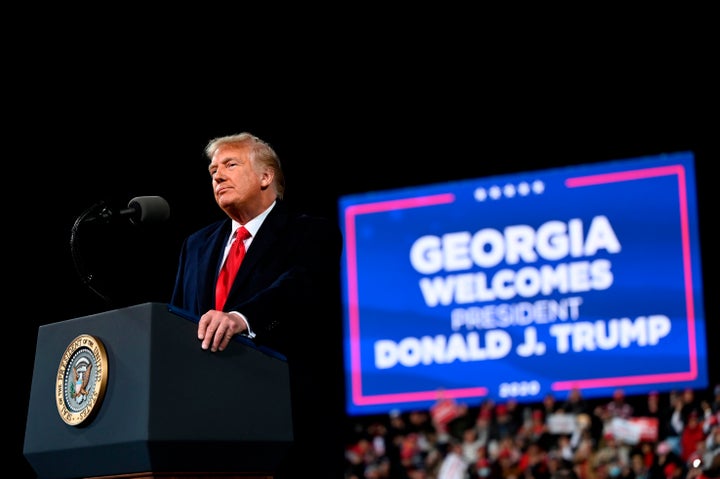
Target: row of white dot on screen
(509, 190)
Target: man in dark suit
(286, 292)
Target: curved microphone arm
(98, 210)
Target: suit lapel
(265, 239)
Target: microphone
(141, 209)
(147, 209)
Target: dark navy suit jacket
(288, 286)
(288, 279)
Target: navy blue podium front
(165, 405)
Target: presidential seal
(81, 380)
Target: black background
(84, 129)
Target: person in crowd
(651, 408)
(639, 466)
(484, 467)
(711, 456)
(612, 454)
(563, 451)
(691, 435)
(534, 462)
(503, 426)
(707, 417)
(471, 443)
(559, 468)
(575, 403)
(507, 456)
(671, 424)
(412, 453)
(685, 407)
(550, 404)
(286, 289)
(583, 454)
(715, 402)
(667, 463)
(487, 409)
(445, 413)
(358, 455)
(516, 412)
(483, 426)
(453, 465)
(537, 430)
(619, 406)
(689, 404)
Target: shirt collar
(254, 224)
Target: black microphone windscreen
(150, 209)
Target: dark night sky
(86, 140)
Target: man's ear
(267, 177)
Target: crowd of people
(670, 435)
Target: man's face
(234, 179)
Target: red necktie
(230, 268)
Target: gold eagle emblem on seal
(81, 379)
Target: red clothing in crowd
(692, 434)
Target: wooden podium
(156, 405)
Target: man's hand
(216, 329)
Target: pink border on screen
(353, 303)
(354, 314)
(632, 175)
